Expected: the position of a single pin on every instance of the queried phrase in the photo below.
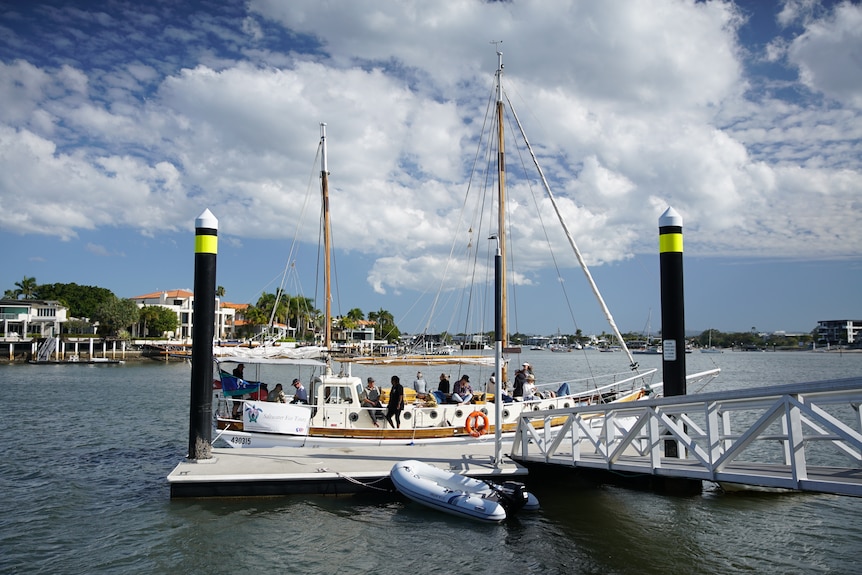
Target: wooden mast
(327, 280)
(501, 200)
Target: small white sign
(668, 348)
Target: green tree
(77, 326)
(82, 301)
(220, 291)
(300, 313)
(386, 327)
(116, 315)
(156, 320)
(275, 306)
(254, 318)
(26, 287)
(11, 294)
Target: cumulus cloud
(827, 54)
(631, 106)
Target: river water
(88, 448)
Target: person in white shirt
(420, 385)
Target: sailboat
(647, 347)
(336, 415)
(710, 348)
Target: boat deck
(326, 471)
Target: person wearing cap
(396, 402)
(530, 388)
(491, 386)
(420, 385)
(301, 394)
(520, 380)
(371, 398)
(462, 392)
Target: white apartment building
(22, 318)
(182, 303)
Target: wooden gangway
(804, 436)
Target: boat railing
(588, 385)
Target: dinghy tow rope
(369, 485)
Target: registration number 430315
(241, 440)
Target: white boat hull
(265, 424)
(450, 492)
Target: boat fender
(354, 416)
(476, 424)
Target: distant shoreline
(138, 355)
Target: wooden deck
(330, 471)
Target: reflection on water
(84, 490)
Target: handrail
(768, 436)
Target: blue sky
(122, 121)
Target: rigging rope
(572, 243)
(368, 484)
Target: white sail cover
(269, 352)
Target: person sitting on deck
(277, 394)
(371, 398)
(420, 386)
(520, 381)
(530, 392)
(443, 387)
(301, 395)
(462, 393)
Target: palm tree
(255, 317)
(301, 310)
(386, 323)
(26, 287)
(381, 317)
(220, 291)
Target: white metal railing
(781, 436)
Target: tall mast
(501, 201)
(327, 280)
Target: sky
(122, 121)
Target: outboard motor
(513, 496)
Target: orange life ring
(473, 425)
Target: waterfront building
(23, 318)
(182, 303)
(839, 331)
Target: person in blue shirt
(301, 395)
